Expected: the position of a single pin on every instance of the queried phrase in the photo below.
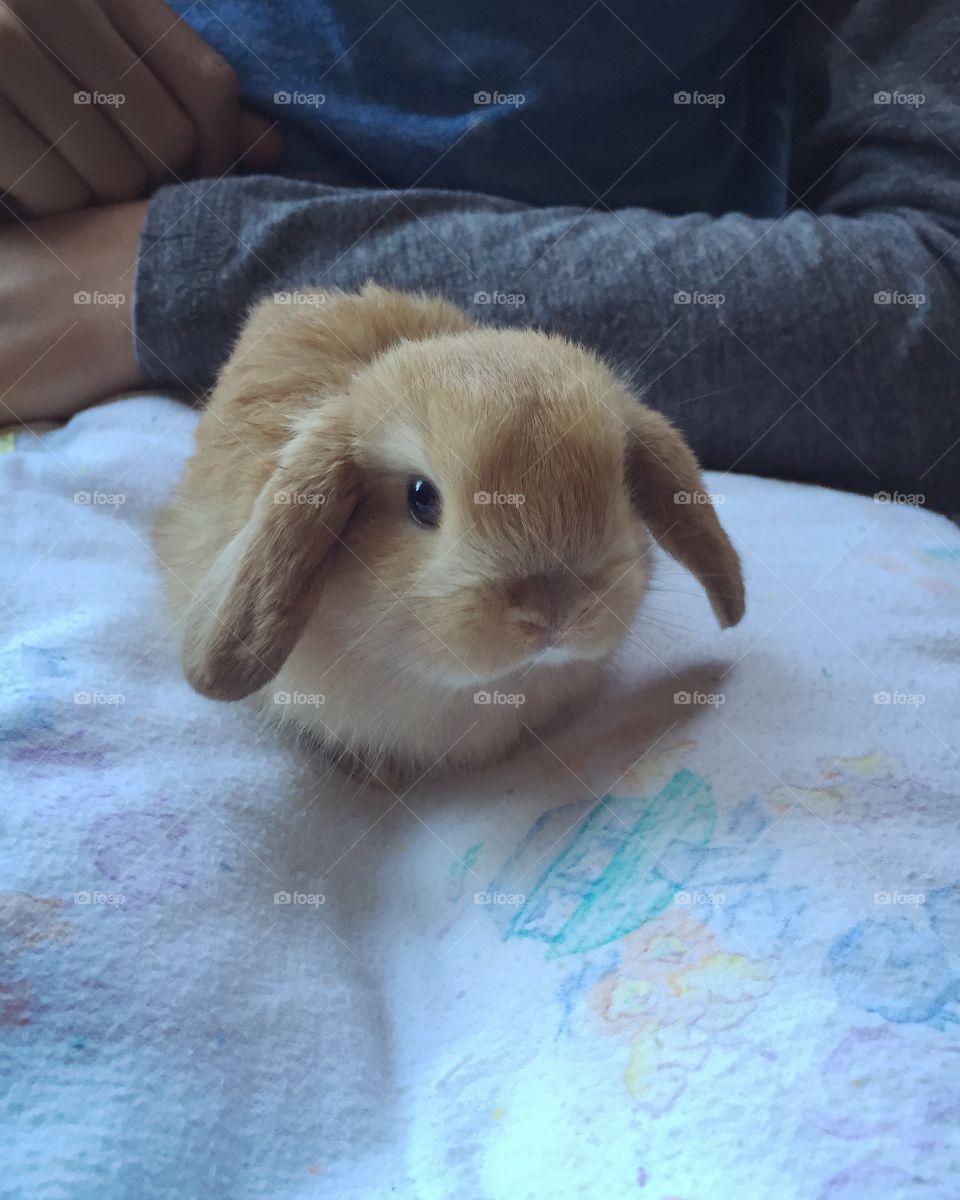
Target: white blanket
(704, 949)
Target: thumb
(260, 143)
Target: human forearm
(65, 300)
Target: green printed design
(614, 875)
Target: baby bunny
(418, 539)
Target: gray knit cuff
(182, 258)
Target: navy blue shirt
(630, 102)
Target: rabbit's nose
(543, 607)
(537, 630)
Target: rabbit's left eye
(423, 501)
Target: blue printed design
(899, 969)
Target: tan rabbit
(419, 539)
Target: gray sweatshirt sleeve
(822, 346)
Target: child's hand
(103, 100)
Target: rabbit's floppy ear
(256, 597)
(664, 483)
